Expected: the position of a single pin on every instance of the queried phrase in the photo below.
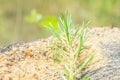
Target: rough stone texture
(109, 43)
(105, 40)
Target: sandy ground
(33, 60)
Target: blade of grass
(55, 33)
(81, 36)
(84, 64)
(86, 77)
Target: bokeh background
(14, 27)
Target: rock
(32, 60)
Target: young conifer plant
(65, 49)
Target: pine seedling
(67, 53)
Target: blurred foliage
(105, 12)
(14, 27)
(34, 17)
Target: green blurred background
(14, 27)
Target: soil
(34, 60)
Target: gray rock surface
(109, 44)
(9, 47)
(112, 69)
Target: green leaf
(50, 20)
